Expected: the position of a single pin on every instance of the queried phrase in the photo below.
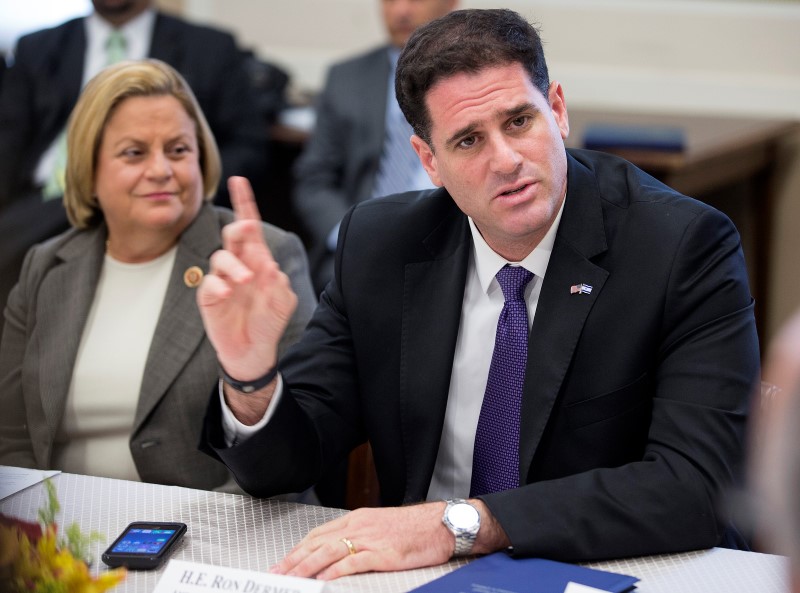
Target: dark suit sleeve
(16, 447)
(38, 93)
(239, 128)
(707, 358)
(16, 121)
(285, 458)
(320, 194)
(288, 251)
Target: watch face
(463, 516)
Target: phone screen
(143, 541)
(144, 545)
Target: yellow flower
(35, 560)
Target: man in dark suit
(50, 68)
(627, 392)
(345, 159)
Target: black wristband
(249, 386)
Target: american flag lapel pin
(580, 289)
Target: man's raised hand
(245, 300)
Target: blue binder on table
(634, 137)
(501, 572)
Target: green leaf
(47, 515)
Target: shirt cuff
(235, 432)
(333, 238)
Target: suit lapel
(64, 301)
(179, 329)
(67, 71)
(73, 58)
(432, 298)
(165, 44)
(560, 314)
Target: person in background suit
(104, 365)
(603, 421)
(41, 88)
(352, 154)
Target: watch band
(249, 386)
(464, 543)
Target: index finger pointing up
(244, 237)
(242, 199)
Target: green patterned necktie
(116, 47)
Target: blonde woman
(105, 368)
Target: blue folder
(501, 572)
(611, 136)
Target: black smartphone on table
(144, 545)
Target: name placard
(191, 577)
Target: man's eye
(467, 142)
(520, 121)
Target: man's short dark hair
(464, 41)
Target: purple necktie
(495, 463)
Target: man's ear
(558, 106)
(427, 158)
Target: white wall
(18, 18)
(724, 57)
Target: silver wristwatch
(464, 520)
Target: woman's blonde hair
(87, 123)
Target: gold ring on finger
(351, 549)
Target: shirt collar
(488, 263)
(394, 55)
(138, 28)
